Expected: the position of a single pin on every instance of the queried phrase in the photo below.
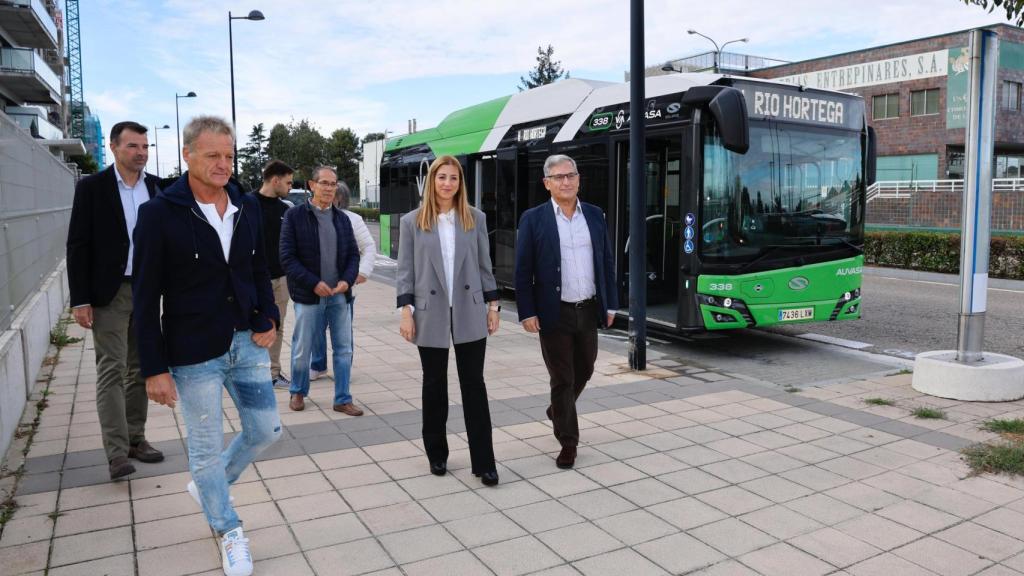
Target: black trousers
(469, 361)
(569, 353)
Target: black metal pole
(637, 206)
(231, 57)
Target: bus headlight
(727, 302)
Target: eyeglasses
(328, 183)
(559, 178)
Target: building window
(924, 102)
(1008, 166)
(1011, 95)
(885, 106)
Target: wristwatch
(494, 308)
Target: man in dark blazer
(565, 289)
(100, 251)
(205, 316)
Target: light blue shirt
(131, 198)
(577, 254)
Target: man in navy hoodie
(199, 246)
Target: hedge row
(368, 214)
(937, 252)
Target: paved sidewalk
(682, 469)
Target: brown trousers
(570, 351)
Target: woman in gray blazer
(447, 294)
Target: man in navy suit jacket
(565, 289)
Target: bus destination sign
(804, 107)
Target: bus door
(664, 224)
(494, 192)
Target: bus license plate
(796, 314)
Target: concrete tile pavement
(682, 469)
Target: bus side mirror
(728, 108)
(872, 153)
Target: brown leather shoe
(120, 467)
(297, 403)
(144, 452)
(566, 458)
(350, 409)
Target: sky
(372, 65)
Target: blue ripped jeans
(244, 371)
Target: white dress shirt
(367, 247)
(577, 255)
(131, 198)
(446, 233)
(224, 227)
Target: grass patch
(1015, 426)
(904, 371)
(925, 413)
(7, 508)
(1007, 458)
(59, 334)
(880, 401)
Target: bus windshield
(798, 192)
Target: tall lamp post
(254, 15)
(156, 144)
(177, 123)
(718, 50)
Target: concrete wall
(23, 348)
(36, 192)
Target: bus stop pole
(975, 223)
(637, 206)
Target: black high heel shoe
(489, 478)
(439, 468)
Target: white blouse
(446, 233)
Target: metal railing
(26, 60)
(905, 188)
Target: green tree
(373, 136)
(344, 153)
(279, 144)
(548, 70)
(86, 163)
(308, 148)
(1014, 8)
(253, 157)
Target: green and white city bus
(755, 190)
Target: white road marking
(951, 284)
(837, 341)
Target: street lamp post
(718, 50)
(177, 123)
(254, 15)
(156, 144)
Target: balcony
(28, 24)
(34, 123)
(25, 76)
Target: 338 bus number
(721, 287)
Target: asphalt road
(905, 313)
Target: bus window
(796, 186)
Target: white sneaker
(317, 374)
(193, 491)
(234, 552)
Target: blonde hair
(428, 210)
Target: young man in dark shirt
(277, 182)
